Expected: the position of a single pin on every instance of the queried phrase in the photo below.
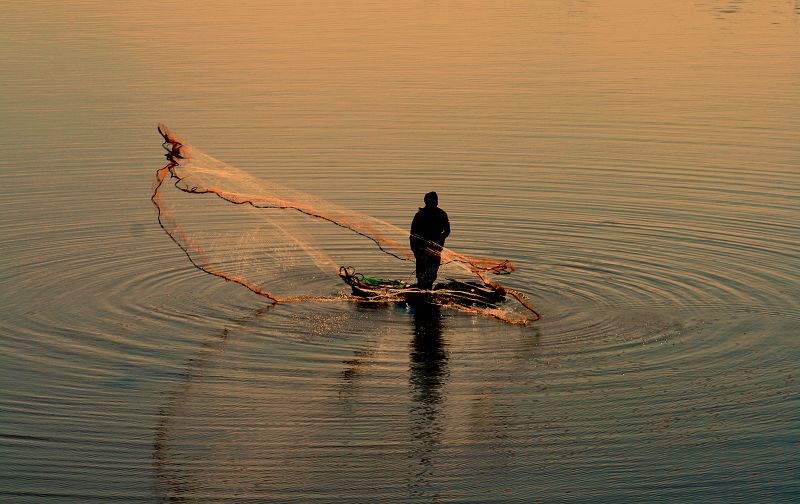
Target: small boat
(452, 291)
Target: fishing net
(289, 246)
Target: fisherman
(429, 229)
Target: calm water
(639, 162)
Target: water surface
(638, 162)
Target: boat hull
(469, 293)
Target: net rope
(288, 246)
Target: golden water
(637, 161)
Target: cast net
(289, 246)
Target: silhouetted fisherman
(429, 229)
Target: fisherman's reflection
(428, 373)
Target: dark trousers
(428, 262)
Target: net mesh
(288, 246)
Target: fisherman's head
(431, 199)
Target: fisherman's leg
(421, 268)
(424, 277)
(428, 267)
(433, 268)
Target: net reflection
(173, 482)
(428, 374)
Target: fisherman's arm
(445, 227)
(413, 239)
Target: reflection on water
(427, 378)
(172, 481)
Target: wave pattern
(640, 169)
